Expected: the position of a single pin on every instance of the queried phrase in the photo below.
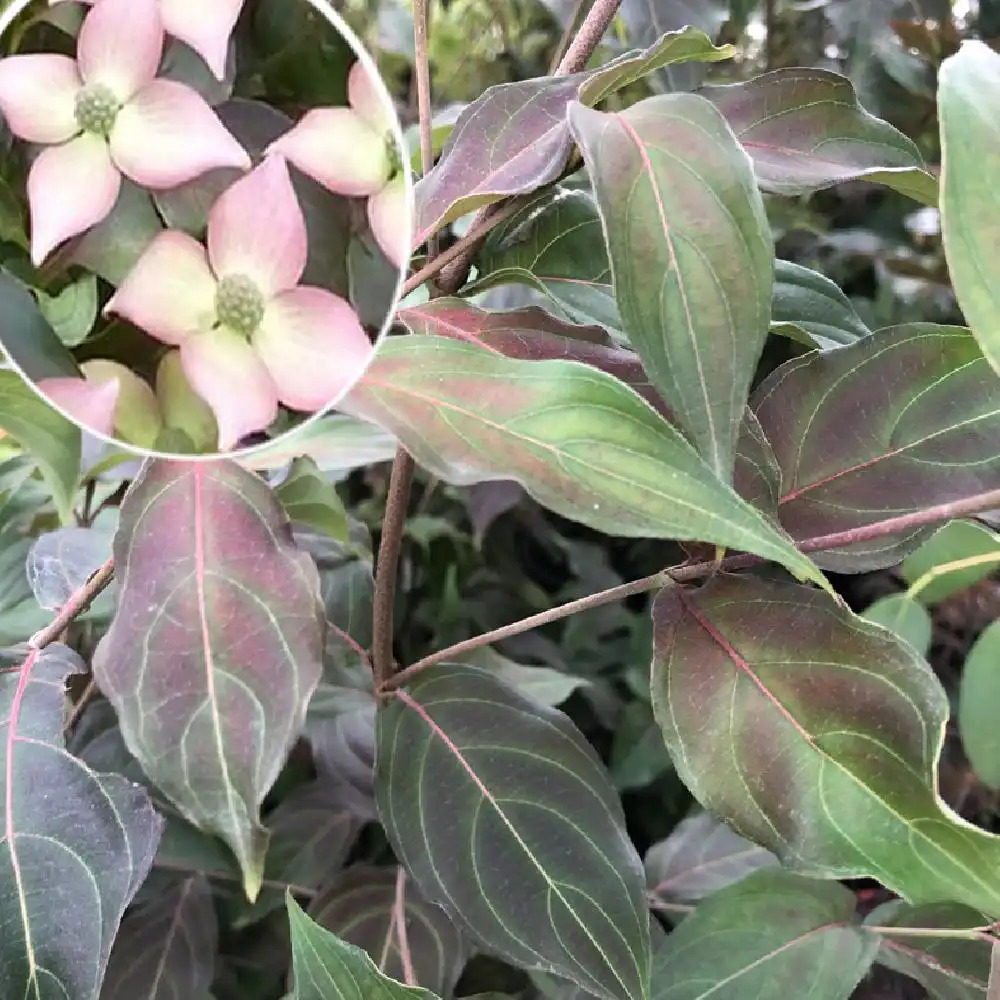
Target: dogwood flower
(249, 335)
(203, 26)
(104, 115)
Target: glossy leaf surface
(771, 934)
(529, 806)
(216, 647)
(968, 106)
(578, 440)
(900, 421)
(691, 255)
(805, 130)
(815, 734)
(76, 845)
(514, 138)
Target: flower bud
(365, 97)
(137, 415)
(183, 409)
(389, 218)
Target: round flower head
(104, 115)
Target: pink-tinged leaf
(314, 347)
(765, 937)
(968, 105)
(778, 704)
(167, 135)
(515, 137)
(580, 441)
(805, 130)
(206, 28)
(362, 907)
(38, 97)
(216, 647)
(227, 373)
(170, 293)
(75, 846)
(70, 188)
(903, 420)
(256, 229)
(368, 97)
(166, 947)
(691, 254)
(391, 219)
(90, 404)
(120, 45)
(339, 149)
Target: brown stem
(402, 936)
(77, 604)
(567, 35)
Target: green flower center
(96, 109)
(239, 305)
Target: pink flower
(203, 26)
(105, 114)
(250, 336)
(389, 219)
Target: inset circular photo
(204, 223)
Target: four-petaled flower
(249, 335)
(103, 115)
(203, 26)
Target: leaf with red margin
(815, 734)
(515, 138)
(580, 442)
(75, 845)
(691, 253)
(217, 645)
(805, 130)
(900, 421)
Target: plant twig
(399, 916)
(567, 35)
(77, 604)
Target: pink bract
(90, 404)
(249, 334)
(103, 115)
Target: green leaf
(691, 255)
(543, 684)
(968, 106)
(530, 807)
(699, 858)
(515, 137)
(361, 908)
(166, 946)
(73, 311)
(216, 647)
(956, 557)
(578, 440)
(901, 614)
(805, 130)
(76, 844)
(766, 936)
(326, 968)
(948, 968)
(778, 704)
(809, 307)
(929, 435)
(310, 498)
(49, 437)
(28, 339)
(978, 697)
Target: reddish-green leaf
(166, 947)
(363, 908)
(805, 130)
(581, 442)
(514, 138)
(816, 734)
(968, 107)
(528, 851)
(691, 256)
(216, 647)
(900, 421)
(772, 934)
(74, 848)
(949, 968)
